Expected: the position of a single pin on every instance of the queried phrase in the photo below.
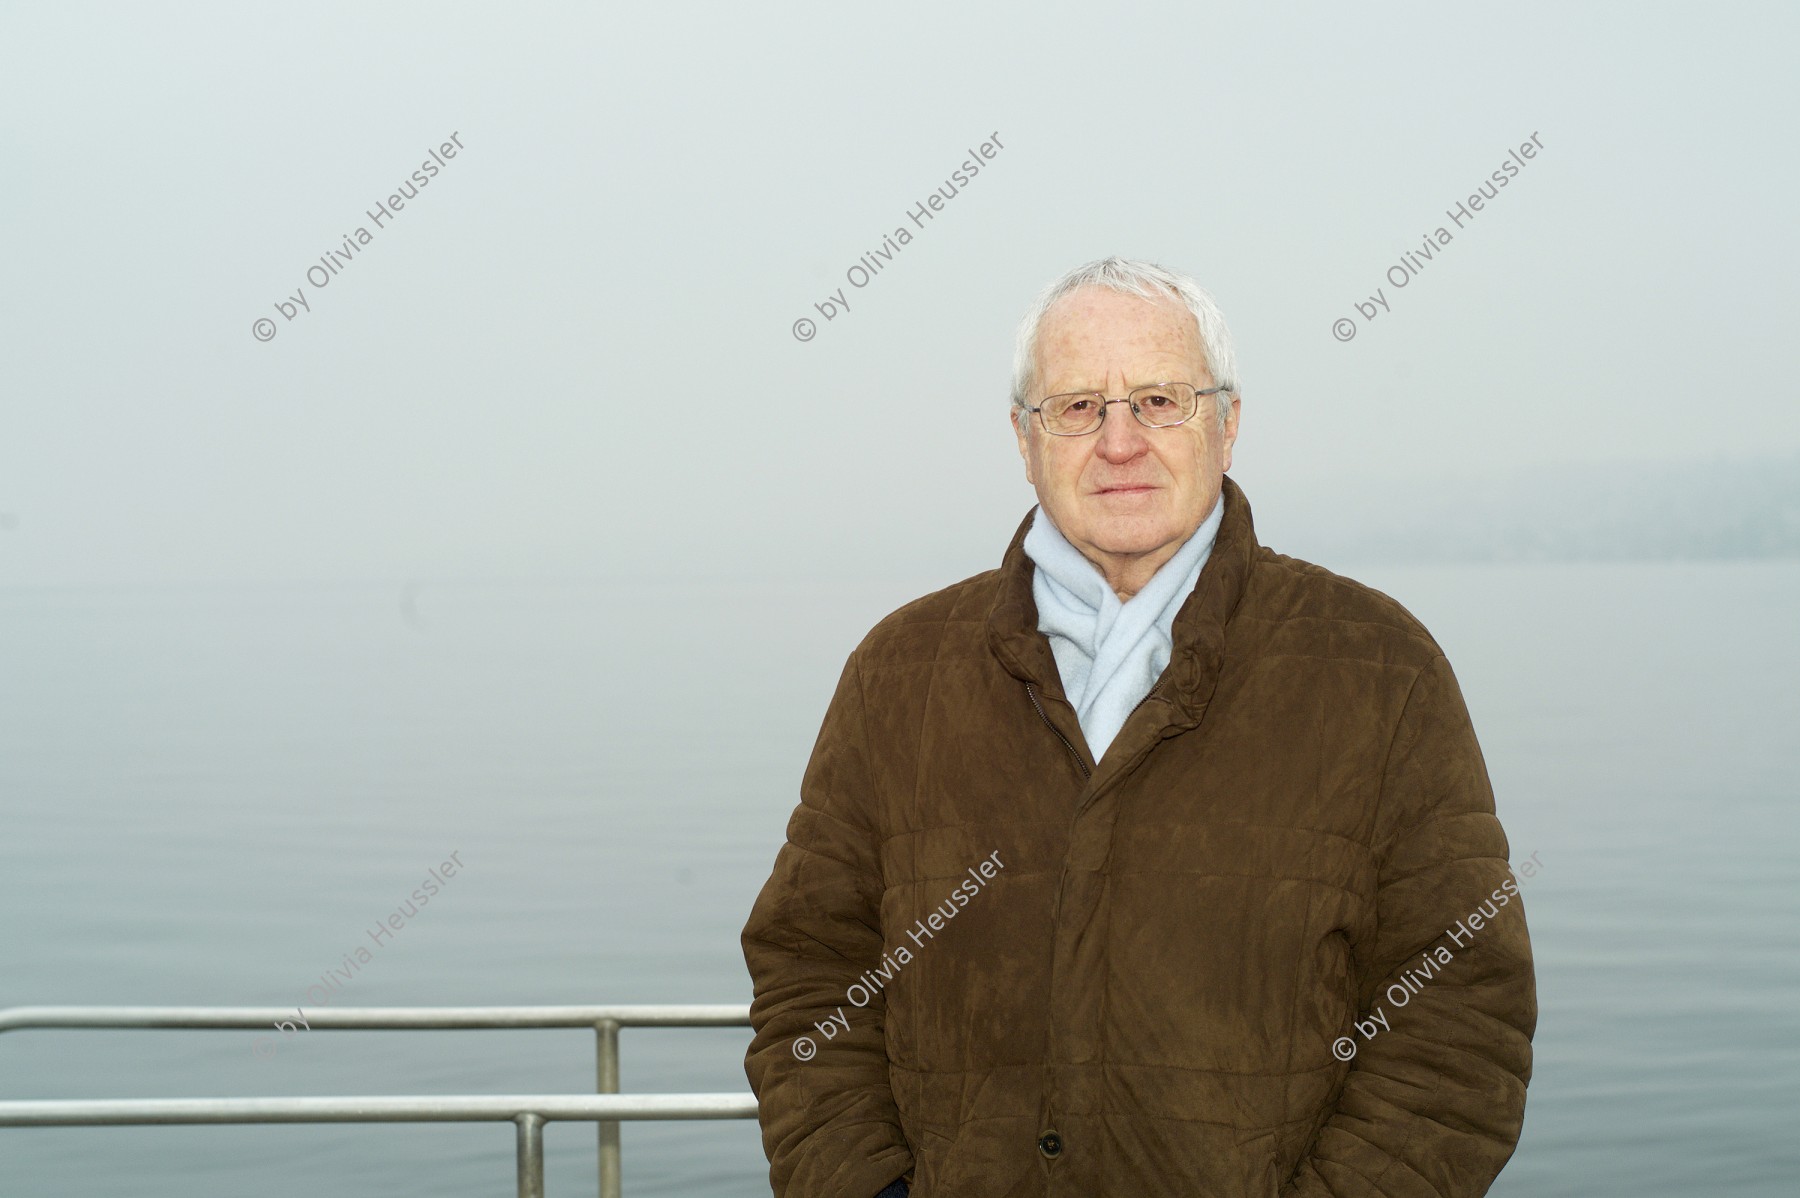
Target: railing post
(606, 1079)
(531, 1155)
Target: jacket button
(1050, 1144)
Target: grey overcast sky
(648, 199)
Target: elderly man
(1154, 862)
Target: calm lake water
(210, 794)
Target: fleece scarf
(1109, 653)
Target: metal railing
(528, 1112)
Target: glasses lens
(1069, 415)
(1170, 403)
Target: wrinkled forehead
(1094, 339)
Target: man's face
(1126, 494)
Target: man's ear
(1014, 418)
(1231, 428)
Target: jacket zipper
(1031, 694)
(1141, 702)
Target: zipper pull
(1031, 693)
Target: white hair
(1129, 276)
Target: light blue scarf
(1109, 653)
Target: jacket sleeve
(1433, 1102)
(817, 1062)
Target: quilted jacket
(1268, 946)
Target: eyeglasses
(1158, 405)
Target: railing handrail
(380, 1018)
(528, 1112)
(494, 1108)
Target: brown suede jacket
(1268, 947)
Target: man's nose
(1121, 436)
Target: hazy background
(648, 199)
(284, 623)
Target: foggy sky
(649, 198)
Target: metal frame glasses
(1186, 396)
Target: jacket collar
(1198, 631)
